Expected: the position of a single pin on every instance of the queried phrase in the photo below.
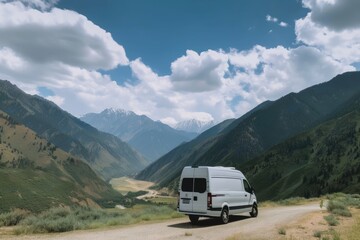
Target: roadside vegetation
(338, 220)
(63, 219)
(340, 208)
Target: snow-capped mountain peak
(194, 125)
(117, 111)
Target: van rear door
(186, 192)
(200, 190)
(193, 190)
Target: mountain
(151, 139)
(322, 160)
(105, 153)
(194, 125)
(36, 175)
(165, 170)
(263, 127)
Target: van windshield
(193, 185)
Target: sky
(175, 60)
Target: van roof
(221, 167)
(218, 170)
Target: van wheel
(194, 219)
(224, 217)
(254, 211)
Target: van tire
(254, 211)
(224, 216)
(194, 219)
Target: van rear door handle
(195, 198)
(245, 195)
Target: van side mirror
(252, 190)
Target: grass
(338, 207)
(286, 202)
(63, 219)
(317, 234)
(13, 218)
(172, 201)
(354, 232)
(188, 234)
(331, 220)
(282, 231)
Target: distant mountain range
(194, 125)
(105, 153)
(150, 138)
(36, 175)
(257, 131)
(303, 144)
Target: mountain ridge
(105, 153)
(151, 138)
(266, 125)
(36, 175)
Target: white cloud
(336, 15)
(58, 49)
(56, 99)
(58, 36)
(283, 24)
(39, 4)
(63, 51)
(342, 45)
(277, 71)
(199, 72)
(271, 19)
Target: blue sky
(175, 60)
(160, 31)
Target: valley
(232, 120)
(304, 144)
(314, 132)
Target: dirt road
(265, 226)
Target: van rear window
(187, 185)
(199, 185)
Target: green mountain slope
(36, 175)
(265, 126)
(284, 118)
(105, 153)
(166, 170)
(323, 160)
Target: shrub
(338, 207)
(55, 213)
(317, 234)
(14, 217)
(292, 201)
(65, 219)
(282, 231)
(342, 212)
(331, 220)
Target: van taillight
(209, 200)
(178, 200)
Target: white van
(215, 192)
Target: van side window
(199, 185)
(247, 186)
(187, 185)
